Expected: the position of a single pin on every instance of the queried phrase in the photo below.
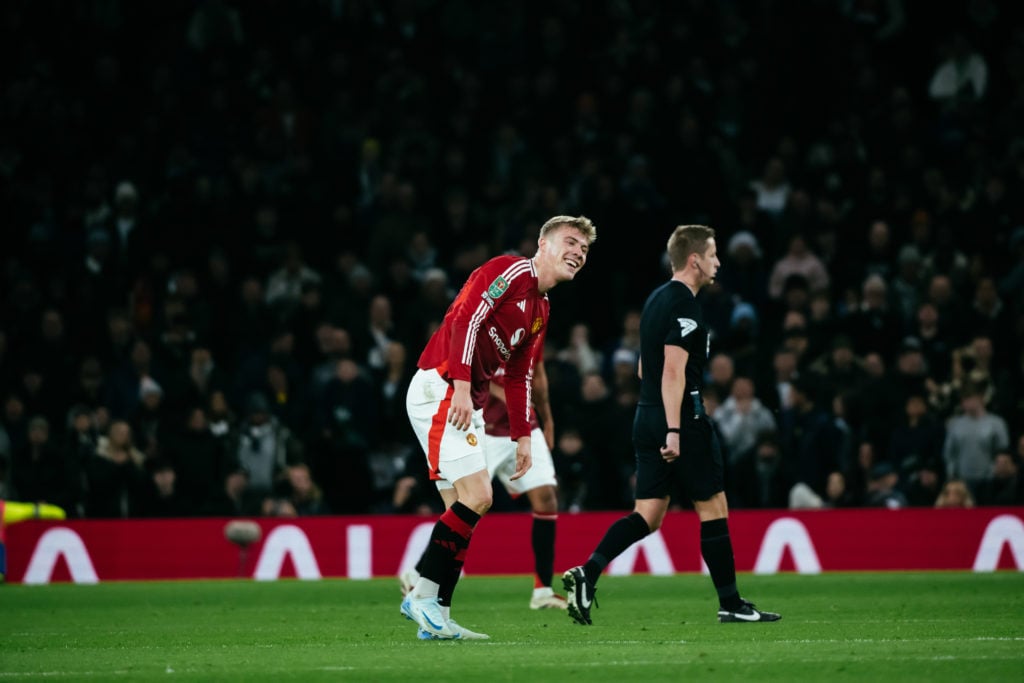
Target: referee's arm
(673, 388)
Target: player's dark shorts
(698, 471)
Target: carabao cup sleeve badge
(498, 287)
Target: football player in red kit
(497, 320)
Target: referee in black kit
(674, 348)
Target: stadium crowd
(229, 228)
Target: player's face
(565, 251)
(708, 261)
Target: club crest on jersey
(538, 323)
(498, 287)
(471, 439)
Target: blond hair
(581, 223)
(686, 240)
(955, 494)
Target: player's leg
(704, 470)
(581, 582)
(653, 479)
(647, 516)
(544, 505)
(454, 456)
(539, 484)
(407, 578)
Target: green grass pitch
(946, 626)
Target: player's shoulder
(672, 294)
(508, 272)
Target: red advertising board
(982, 539)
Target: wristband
(672, 430)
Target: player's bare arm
(673, 388)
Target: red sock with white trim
(442, 560)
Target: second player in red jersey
(497, 320)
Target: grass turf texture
(865, 626)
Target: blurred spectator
(973, 438)
(874, 326)
(784, 366)
(906, 285)
(346, 425)
(159, 496)
(579, 351)
(798, 260)
(628, 339)
(934, 344)
(918, 440)
(758, 475)
(284, 287)
(264, 446)
(370, 345)
(148, 418)
(115, 475)
(577, 475)
(1005, 486)
(721, 372)
(836, 493)
(234, 496)
(199, 459)
(923, 481)
(810, 440)
(79, 448)
(298, 495)
(746, 277)
(962, 75)
(881, 490)
(772, 187)
(987, 315)
(879, 257)
(742, 418)
(414, 493)
(840, 368)
(37, 468)
(955, 494)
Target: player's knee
(479, 503)
(544, 500)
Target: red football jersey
(498, 319)
(496, 412)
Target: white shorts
(501, 463)
(451, 453)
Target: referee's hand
(670, 451)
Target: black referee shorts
(698, 471)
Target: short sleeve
(682, 329)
